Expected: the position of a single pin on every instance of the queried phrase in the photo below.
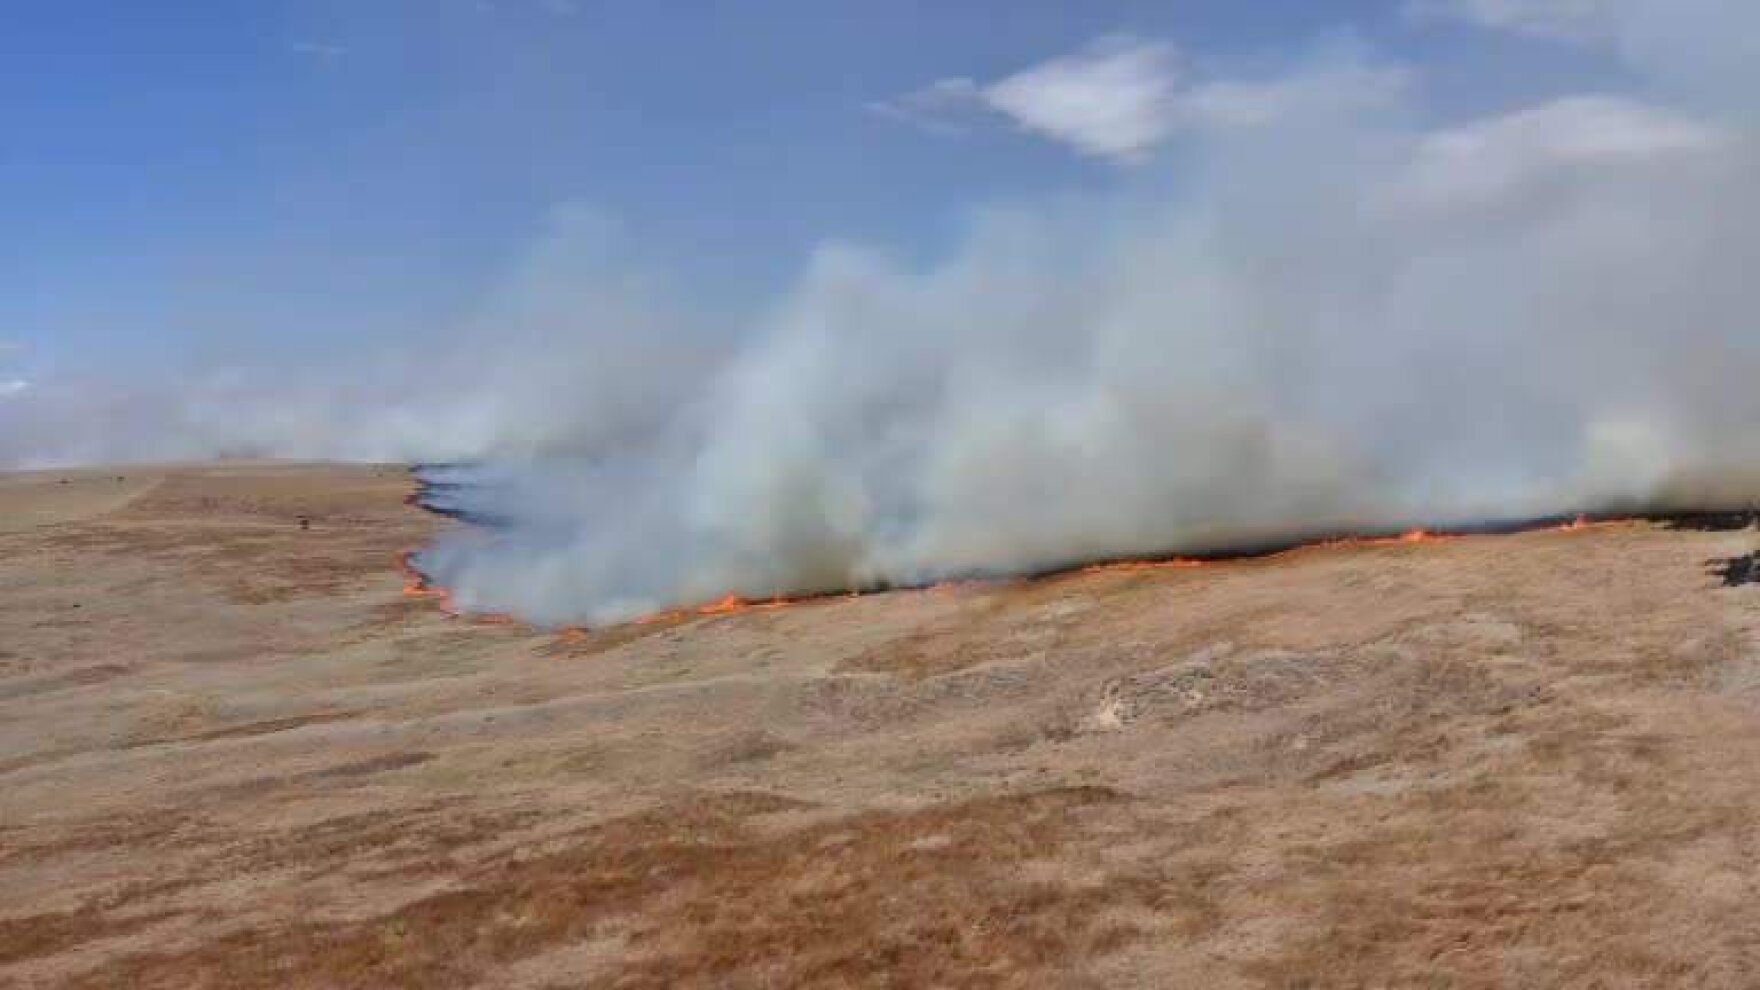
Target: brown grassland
(233, 755)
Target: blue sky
(219, 179)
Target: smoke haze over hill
(1335, 313)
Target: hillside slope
(233, 754)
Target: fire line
(417, 584)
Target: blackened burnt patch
(1737, 571)
(1721, 521)
(444, 498)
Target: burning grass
(417, 585)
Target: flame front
(732, 603)
(1133, 566)
(416, 585)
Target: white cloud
(1119, 98)
(1490, 158)
(936, 107)
(1704, 52)
(1237, 103)
(13, 386)
(1570, 20)
(1111, 100)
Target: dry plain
(234, 754)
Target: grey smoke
(1335, 324)
(1338, 318)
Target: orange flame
(732, 603)
(1134, 566)
(415, 585)
(728, 605)
(418, 586)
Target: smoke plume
(1339, 317)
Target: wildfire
(732, 603)
(416, 585)
(1193, 563)
(1134, 566)
(1410, 536)
(728, 605)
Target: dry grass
(232, 756)
(701, 898)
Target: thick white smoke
(1332, 318)
(1334, 321)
